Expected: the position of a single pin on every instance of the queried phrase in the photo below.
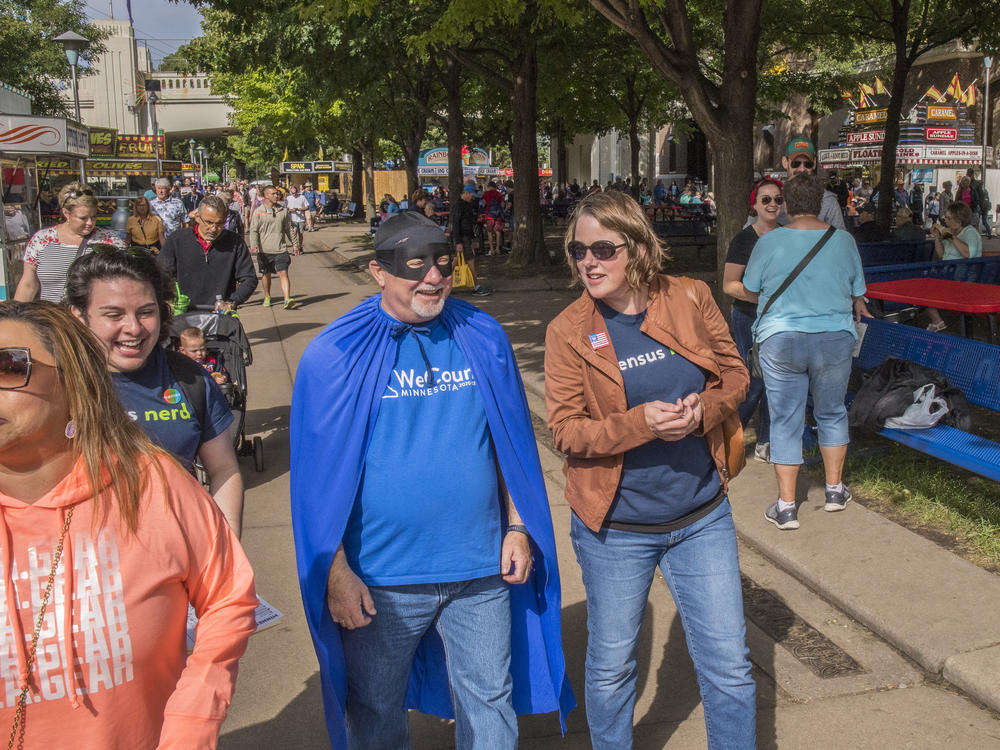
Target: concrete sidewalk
(938, 609)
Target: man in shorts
(298, 209)
(494, 226)
(271, 239)
(312, 206)
(463, 227)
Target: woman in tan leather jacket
(642, 385)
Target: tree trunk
(562, 157)
(368, 152)
(529, 241)
(887, 171)
(357, 183)
(456, 126)
(412, 178)
(633, 144)
(733, 175)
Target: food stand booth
(27, 144)
(121, 165)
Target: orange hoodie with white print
(133, 684)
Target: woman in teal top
(957, 239)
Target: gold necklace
(22, 699)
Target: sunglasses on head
(15, 367)
(765, 199)
(601, 250)
(807, 163)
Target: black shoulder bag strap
(188, 375)
(795, 272)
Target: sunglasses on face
(807, 163)
(15, 367)
(765, 199)
(601, 250)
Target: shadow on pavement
(300, 725)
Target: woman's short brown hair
(960, 212)
(76, 194)
(419, 195)
(804, 194)
(619, 212)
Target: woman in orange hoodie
(110, 539)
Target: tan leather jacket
(585, 394)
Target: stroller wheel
(258, 454)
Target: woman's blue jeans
(701, 567)
(797, 365)
(742, 325)
(473, 620)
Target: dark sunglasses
(807, 163)
(78, 193)
(601, 250)
(778, 200)
(15, 367)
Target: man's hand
(515, 557)
(674, 421)
(347, 598)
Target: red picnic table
(965, 297)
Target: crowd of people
(422, 588)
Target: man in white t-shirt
(298, 208)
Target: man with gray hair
(170, 210)
(212, 265)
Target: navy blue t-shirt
(153, 398)
(428, 508)
(661, 480)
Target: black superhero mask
(408, 244)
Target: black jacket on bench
(225, 269)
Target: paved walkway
(877, 583)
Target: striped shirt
(52, 259)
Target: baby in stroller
(192, 344)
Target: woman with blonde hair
(642, 385)
(110, 540)
(144, 228)
(50, 251)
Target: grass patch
(959, 509)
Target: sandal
(936, 327)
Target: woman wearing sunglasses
(109, 541)
(50, 251)
(806, 339)
(765, 204)
(124, 300)
(640, 374)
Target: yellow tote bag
(461, 274)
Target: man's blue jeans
(742, 325)
(701, 567)
(473, 620)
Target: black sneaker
(837, 500)
(783, 519)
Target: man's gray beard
(427, 310)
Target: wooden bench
(971, 366)
(893, 253)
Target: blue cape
(338, 389)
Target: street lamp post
(73, 44)
(151, 99)
(201, 153)
(987, 63)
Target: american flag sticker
(599, 340)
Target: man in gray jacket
(271, 240)
(800, 156)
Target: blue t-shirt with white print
(661, 480)
(428, 508)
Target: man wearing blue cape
(422, 530)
